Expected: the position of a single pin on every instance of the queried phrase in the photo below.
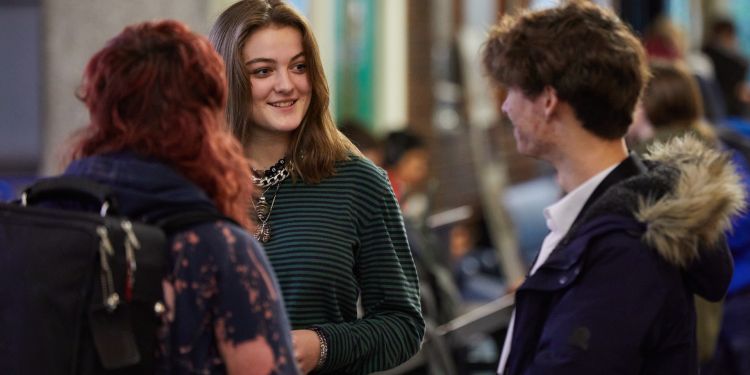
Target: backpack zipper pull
(131, 244)
(110, 298)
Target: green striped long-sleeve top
(338, 240)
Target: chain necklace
(272, 177)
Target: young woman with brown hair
(327, 217)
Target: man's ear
(551, 102)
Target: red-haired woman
(156, 95)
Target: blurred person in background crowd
(407, 160)
(474, 259)
(368, 144)
(665, 41)
(611, 290)
(327, 216)
(156, 94)
(731, 67)
(669, 107)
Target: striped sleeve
(392, 327)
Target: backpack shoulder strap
(67, 187)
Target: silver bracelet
(323, 348)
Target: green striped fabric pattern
(334, 240)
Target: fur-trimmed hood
(687, 199)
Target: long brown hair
(316, 144)
(159, 90)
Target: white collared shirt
(560, 216)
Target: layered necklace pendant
(262, 208)
(262, 211)
(263, 233)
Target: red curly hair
(159, 90)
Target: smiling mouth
(283, 104)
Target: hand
(306, 349)
(513, 286)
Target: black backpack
(80, 293)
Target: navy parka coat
(616, 295)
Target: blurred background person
(156, 94)
(407, 163)
(666, 41)
(474, 260)
(370, 146)
(730, 65)
(327, 216)
(669, 107)
(406, 159)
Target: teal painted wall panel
(355, 34)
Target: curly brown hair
(589, 56)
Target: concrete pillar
(19, 88)
(323, 24)
(72, 31)
(391, 66)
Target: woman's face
(279, 83)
